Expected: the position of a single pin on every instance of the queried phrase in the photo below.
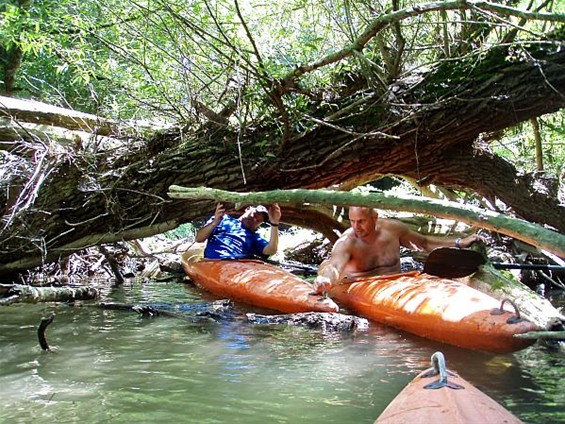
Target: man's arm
(331, 271)
(203, 233)
(274, 218)
(416, 241)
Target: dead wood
(45, 321)
(223, 310)
(29, 294)
(535, 235)
(325, 321)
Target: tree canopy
(248, 96)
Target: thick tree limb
(519, 229)
(31, 294)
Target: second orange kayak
(435, 308)
(255, 283)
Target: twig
(551, 280)
(113, 265)
(45, 321)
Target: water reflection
(114, 366)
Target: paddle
(292, 267)
(451, 262)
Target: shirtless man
(372, 247)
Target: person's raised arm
(416, 241)
(203, 233)
(331, 270)
(274, 218)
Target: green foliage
(184, 231)
(158, 59)
(518, 144)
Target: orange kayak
(435, 308)
(444, 398)
(255, 283)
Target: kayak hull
(435, 308)
(445, 405)
(255, 283)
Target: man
(372, 247)
(237, 238)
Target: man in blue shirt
(236, 238)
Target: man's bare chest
(367, 256)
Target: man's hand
(322, 284)
(219, 212)
(203, 233)
(275, 213)
(469, 240)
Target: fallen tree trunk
(222, 310)
(30, 294)
(326, 321)
(123, 181)
(533, 234)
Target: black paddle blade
(450, 262)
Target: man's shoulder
(348, 237)
(394, 226)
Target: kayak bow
(449, 400)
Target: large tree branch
(482, 171)
(519, 229)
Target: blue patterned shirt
(231, 240)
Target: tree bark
(91, 190)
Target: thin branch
(346, 131)
(249, 36)
(384, 21)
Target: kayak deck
(444, 400)
(435, 308)
(255, 283)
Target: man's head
(363, 220)
(254, 216)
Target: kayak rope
(438, 367)
(513, 319)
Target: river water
(111, 366)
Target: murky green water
(114, 366)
